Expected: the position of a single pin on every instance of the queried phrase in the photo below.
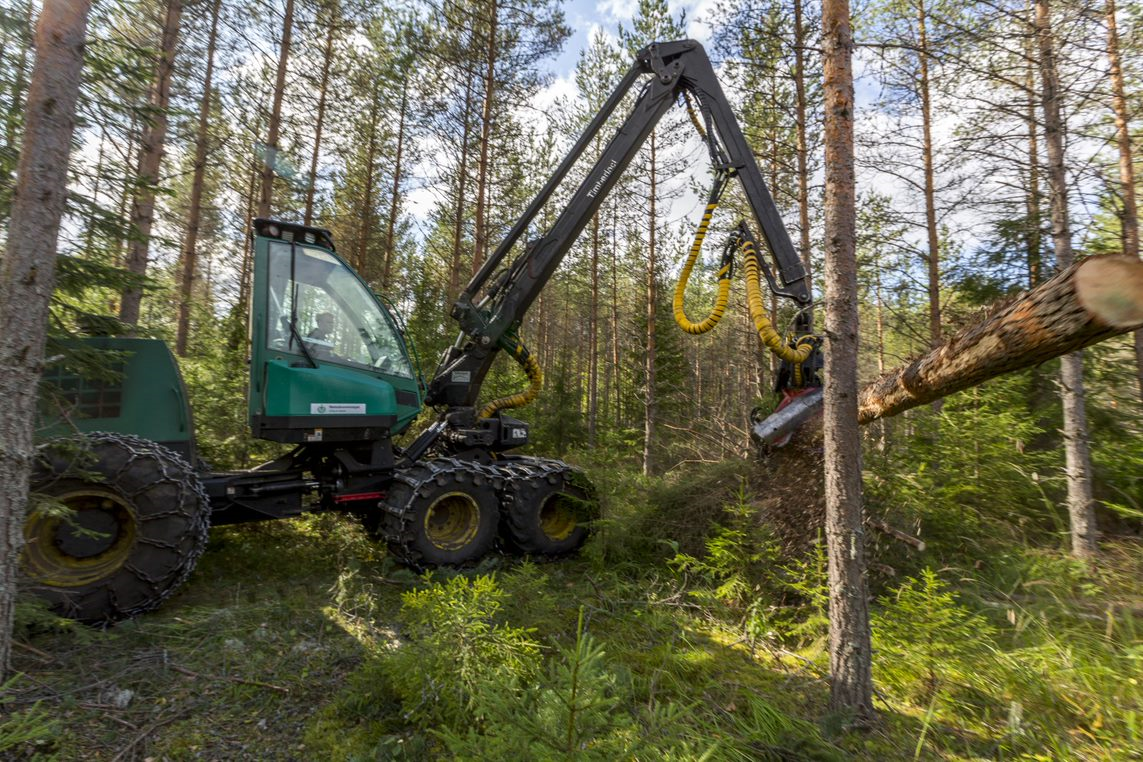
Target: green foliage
(923, 638)
(217, 376)
(977, 474)
(27, 733)
(760, 731)
(578, 710)
(456, 646)
(807, 616)
(737, 571)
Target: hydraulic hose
(724, 273)
(796, 355)
(521, 355)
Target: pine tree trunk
(194, 215)
(395, 196)
(128, 181)
(615, 345)
(319, 119)
(1081, 503)
(851, 680)
(930, 184)
(802, 127)
(150, 158)
(266, 193)
(245, 274)
(27, 271)
(649, 401)
(593, 337)
(1034, 238)
(366, 215)
(480, 236)
(461, 182)
(1130, 216)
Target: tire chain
(507, 477)
(162, 587)
(397, 525)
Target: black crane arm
(491, 308)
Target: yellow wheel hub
(88, 543)
(452, 521)
(557, 518)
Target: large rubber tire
(550, 512)
(143, 522)
(443, 512)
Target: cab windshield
(316, 302)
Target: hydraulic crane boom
(494, 303)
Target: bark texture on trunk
(395, 196)
(319, 118)
(933, 262)
(27, 271)
(266, 194)
(1130, 215)
(152, 143)
(593, 337)
(1090, 301)
(851, 678)
(194, 215)
(480, 233)
(649, 401)
(802, 126)
(365, 217)
(1033, 202)
(1081, 502)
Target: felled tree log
(1090, 301)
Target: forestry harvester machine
(330, 373)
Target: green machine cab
(328, 362)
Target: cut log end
(1110, 289)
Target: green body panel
(299, 282)
(147, 399)
(303, 391)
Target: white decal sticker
(519, 433)
(461, 376)
(315, 436)
(337, 408)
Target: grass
(290, 643)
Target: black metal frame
(487, 309)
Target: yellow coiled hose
(531, 368)
(795, 355)
(711, 320)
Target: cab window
(316, 300)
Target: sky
(586, 16)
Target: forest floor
(286, 644)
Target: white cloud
(560, 88)
(699, 23)
(619, 10)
